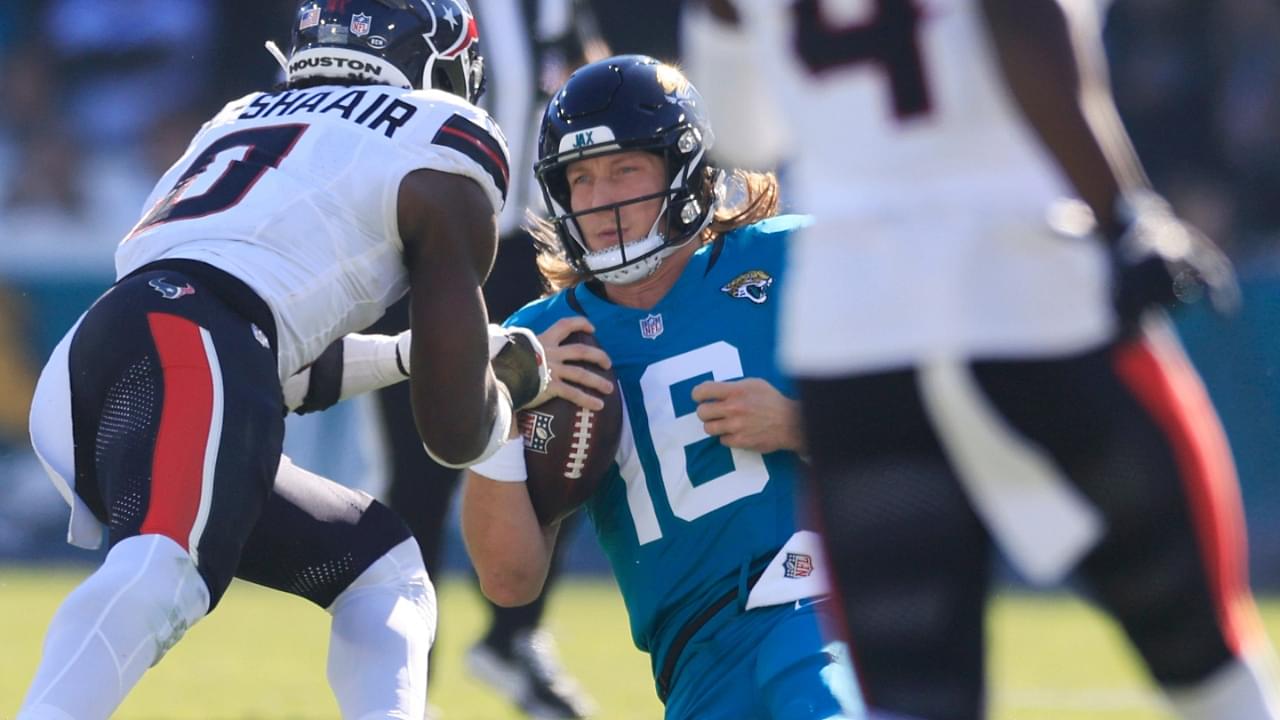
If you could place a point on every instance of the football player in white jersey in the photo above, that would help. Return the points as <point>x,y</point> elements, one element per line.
<point>526,44</point>
<point>295,216</point>
<point>981,359</point>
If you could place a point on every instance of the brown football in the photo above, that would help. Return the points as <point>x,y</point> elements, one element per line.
<point>568,449</point>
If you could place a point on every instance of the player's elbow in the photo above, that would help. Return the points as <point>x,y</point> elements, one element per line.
<point>510,567</point>
<point>511,586</point>
<point>452,455</point>
<point>460,444</point>
<point>458,449</point>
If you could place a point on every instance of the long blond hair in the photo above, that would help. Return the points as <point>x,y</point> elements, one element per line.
<point>753,197</point>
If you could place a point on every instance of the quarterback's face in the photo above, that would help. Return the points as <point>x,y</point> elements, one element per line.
<point>609,179</point>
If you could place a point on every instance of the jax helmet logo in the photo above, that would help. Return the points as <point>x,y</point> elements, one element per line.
<point>797,565</point>
<point>589,140</point>
<point>536,428</point>
<point>752,285</point>
<point>170,291</point>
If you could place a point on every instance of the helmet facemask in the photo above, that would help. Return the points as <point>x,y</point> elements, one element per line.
<point>689,201</point>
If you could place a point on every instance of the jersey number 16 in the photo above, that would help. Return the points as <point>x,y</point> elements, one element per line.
<point>672,434</point>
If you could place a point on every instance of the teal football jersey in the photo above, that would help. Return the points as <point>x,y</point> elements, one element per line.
<point>680,516</point>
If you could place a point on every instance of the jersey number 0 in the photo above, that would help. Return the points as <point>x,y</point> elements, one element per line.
<point>264,148</point>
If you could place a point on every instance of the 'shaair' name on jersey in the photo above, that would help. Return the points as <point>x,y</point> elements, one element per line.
<point>295,192</point>
<point>681,513</point>
<point>374,111</point>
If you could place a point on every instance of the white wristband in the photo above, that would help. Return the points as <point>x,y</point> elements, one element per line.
<point>506,465</point>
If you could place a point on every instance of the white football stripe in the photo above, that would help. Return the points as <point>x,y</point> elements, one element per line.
<point>211,446</point>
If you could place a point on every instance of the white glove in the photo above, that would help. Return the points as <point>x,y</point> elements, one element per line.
<point>520,364</point>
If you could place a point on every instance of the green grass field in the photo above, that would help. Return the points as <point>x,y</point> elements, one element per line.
<point>262,656</point>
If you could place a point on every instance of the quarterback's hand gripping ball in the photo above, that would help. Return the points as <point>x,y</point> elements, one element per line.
<point>568,449</point>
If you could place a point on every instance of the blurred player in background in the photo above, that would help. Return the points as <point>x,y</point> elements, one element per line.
<point>981,361</point>
<point>294,217</point>
<point>697,515</point>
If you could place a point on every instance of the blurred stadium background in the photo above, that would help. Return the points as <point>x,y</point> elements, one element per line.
<point>100,96</point>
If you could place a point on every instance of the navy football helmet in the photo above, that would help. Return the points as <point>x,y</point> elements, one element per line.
<point>410,43</point>
<point>621,104</point>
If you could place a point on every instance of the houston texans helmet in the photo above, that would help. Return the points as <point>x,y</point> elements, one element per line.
<point>621,104</point>
<point>409,43</point>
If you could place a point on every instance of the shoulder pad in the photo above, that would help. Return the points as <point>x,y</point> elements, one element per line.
<point>450,122</point>
<point>233,109</point>
<point>540,314</point>
<point>773,229</point>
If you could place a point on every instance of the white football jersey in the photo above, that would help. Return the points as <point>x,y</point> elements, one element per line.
<point>295,193</point>
<point>941,227</point>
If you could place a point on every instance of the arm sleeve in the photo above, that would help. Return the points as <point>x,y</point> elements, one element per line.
<point>354,365</point>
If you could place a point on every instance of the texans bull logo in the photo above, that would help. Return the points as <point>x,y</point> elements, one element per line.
<point>170,291</point>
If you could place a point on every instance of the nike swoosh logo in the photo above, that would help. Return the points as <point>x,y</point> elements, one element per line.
<point>806,602</point>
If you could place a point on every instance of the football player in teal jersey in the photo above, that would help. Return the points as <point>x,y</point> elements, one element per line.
<point>698,514</point>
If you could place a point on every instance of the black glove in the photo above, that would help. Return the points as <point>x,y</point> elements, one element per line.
<point>325,387</point>
<point>1162,261</point>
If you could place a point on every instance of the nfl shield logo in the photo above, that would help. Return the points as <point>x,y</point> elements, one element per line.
<point>797,565</point>
<point>360,24</point>
<point>536,428</point>
<point>651,326</point>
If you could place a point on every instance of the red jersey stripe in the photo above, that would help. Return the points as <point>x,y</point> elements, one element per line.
<point>1167,386</point>
<point>178,461</point>
<point>495,157</point>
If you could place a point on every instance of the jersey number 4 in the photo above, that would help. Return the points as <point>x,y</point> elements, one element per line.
<point>264,148</point>
<point>890,39</point>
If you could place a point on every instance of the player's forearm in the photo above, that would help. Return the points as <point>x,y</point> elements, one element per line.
<point>456,431</point>
<point>1054,67</point>
<point>510,551</point>
<point>793,429</point>
<point>458,407</point>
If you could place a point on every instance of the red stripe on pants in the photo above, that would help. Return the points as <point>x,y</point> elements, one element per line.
<point>177,465</point>
<point>1162,379</point>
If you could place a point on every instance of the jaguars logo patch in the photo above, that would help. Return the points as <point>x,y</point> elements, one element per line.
<point>536,428</point>
<point>752,285</point>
